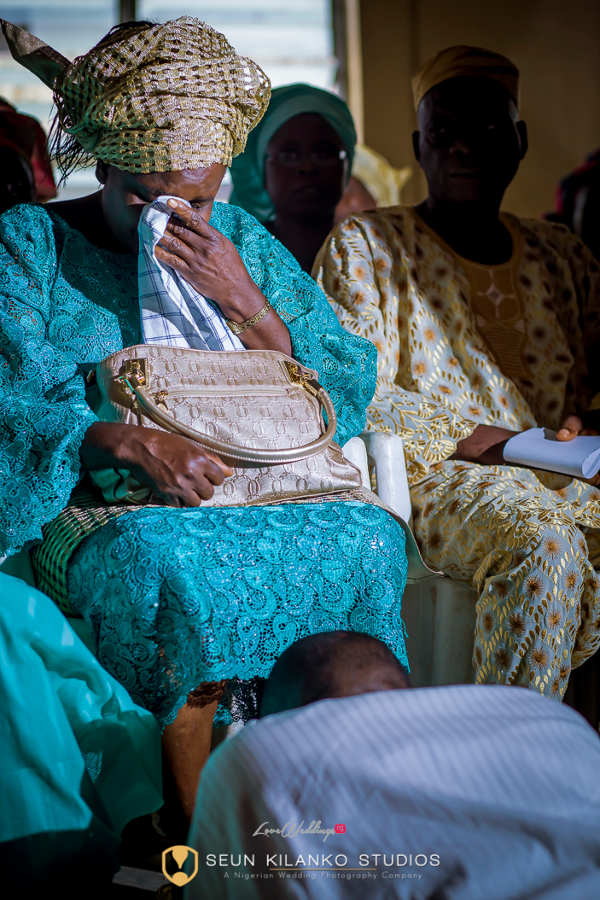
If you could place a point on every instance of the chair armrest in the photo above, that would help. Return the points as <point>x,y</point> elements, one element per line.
<point>386,451</point>
<point>356,452</point>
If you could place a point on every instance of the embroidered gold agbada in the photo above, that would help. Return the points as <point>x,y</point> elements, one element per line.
<point>459,345</point>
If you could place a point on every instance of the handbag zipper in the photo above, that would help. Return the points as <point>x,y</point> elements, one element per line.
<point>161,396</point>
<point>196,391</point>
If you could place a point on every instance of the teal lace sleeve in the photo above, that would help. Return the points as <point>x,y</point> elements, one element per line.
<point>43,413</point>
<point>346,363</point>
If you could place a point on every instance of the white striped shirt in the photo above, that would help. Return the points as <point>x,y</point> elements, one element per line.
<point>469,792</point>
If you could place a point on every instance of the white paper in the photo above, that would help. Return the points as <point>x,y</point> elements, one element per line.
<point>540,448</point>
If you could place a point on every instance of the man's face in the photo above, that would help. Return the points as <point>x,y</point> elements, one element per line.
<point>125,195</point>
<point>470,142</point>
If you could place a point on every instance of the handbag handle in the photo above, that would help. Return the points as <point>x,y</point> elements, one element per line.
<point>233,451</point>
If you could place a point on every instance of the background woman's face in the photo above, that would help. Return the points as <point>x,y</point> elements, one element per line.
<point>305,168</point>
<point>125,195</point>
<point>16,180</point>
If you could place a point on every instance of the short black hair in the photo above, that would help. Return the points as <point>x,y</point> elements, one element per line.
<point>309,669</point>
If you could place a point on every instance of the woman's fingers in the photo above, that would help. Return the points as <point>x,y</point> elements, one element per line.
<point>191,218</point>
<point>227,470</point>
<point>214,472</point>
<point>570,428</point>
<point>189,491</point>
<point>176,247</point>
<point>183,233</point>
<point>177,498</point>
<point>178,470</point>
<point>175,262</point>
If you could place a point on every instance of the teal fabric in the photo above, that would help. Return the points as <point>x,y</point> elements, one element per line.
<point>181,596</point>
<point>64,302</point>
<point>247,169</point>
<point>78,756</point>
<point>175,597</point>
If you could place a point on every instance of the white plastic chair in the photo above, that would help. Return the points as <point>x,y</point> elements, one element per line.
<point>439,614</point>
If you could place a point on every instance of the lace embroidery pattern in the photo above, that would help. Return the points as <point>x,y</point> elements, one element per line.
<point>391,281</point>
<point>178,597</point>
<point>65,302</point>
<point>516,536</point>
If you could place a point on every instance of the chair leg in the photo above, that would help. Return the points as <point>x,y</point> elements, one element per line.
<point>583,691</point>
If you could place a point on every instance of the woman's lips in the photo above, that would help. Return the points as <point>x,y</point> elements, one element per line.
<point>308,190</point>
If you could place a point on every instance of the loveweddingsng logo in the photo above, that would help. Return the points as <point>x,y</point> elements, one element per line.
<point>180,853</point>
<point>290,830</point>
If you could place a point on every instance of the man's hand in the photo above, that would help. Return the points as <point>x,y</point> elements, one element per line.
<point>573,426</point>
<point>177,470</point>
<point>484,446</point>
<point>576,426</point>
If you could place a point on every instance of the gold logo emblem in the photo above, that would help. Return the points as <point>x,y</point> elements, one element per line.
<point>179,853</point>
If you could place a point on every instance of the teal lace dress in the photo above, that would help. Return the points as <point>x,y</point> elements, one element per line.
<point>177,597</point>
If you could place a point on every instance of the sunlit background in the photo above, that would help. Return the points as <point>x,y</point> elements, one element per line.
<point>291,41</point>
<point>367,51</point>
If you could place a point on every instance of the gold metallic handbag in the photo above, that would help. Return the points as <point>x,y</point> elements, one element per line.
<point>259,410</point>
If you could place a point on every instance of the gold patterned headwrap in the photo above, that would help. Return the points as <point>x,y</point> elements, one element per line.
<point>461,61</point>
<point>381,179</point>
<point>152,98</point>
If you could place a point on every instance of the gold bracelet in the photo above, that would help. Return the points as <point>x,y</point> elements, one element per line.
<point>238,327</point>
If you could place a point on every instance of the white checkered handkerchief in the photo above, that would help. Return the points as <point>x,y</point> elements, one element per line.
<point>172,312</point>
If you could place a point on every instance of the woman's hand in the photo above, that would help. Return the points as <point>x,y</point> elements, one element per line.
<point>209,261</point>
<point>177,470</point>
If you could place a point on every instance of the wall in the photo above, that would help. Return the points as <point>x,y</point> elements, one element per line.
<point>555,44</point>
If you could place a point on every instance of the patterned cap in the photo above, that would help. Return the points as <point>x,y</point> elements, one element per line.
<point>153,98</point>
<point>462,61</point>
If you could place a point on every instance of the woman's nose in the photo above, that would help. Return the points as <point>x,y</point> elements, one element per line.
<point>308,165</point>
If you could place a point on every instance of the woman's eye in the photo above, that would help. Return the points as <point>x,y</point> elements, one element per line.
<point>326,155</point>
<point>287,156</point>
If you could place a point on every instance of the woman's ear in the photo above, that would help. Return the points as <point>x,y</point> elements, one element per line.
<point>101,171</point>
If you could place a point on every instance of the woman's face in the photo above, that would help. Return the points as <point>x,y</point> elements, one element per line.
<point>16,180</point>
<point>305,167</point>
<point>125,195</point>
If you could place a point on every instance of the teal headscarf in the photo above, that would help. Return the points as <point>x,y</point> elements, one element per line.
<point>247,169</point>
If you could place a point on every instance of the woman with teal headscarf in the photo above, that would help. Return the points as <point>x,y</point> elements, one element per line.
<point>295,167</point>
